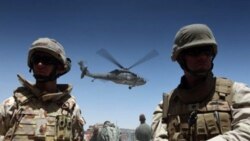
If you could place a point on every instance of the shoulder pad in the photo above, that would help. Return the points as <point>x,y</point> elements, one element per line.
<point>223,85</point>
<point>68,104</point>
<point>22,94</point>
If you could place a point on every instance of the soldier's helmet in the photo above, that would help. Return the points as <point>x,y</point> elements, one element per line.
<point>52,47</point>
<point>191,36</point>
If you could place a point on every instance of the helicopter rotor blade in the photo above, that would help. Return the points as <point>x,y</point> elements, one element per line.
<point>150,55</point>
<point>104,53</point>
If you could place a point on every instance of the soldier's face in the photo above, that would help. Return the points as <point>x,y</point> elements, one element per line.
<point>198,59</point>
<point>43,64</point>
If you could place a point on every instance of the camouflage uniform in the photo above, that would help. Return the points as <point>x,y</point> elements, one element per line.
<point>240,111</point>
<point>95,134</point>
<point>31,114</point>
<point>217,109</point>
<point>109,132</point>
<point>34,114</point>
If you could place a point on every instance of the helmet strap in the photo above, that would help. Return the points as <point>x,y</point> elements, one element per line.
<point>66,69</point>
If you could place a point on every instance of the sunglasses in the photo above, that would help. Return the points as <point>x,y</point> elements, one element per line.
<point>45,60</point>
<point>198,51</point>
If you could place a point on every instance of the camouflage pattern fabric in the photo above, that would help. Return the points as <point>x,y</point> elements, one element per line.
<point>109,133</point>
<point>240,110</point>
<point>29,116</point>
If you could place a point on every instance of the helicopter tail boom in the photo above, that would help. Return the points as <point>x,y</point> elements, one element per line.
<point>83,68</point>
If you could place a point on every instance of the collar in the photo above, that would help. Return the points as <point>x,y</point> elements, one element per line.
<point>198,93</point>
<point>63,90</point>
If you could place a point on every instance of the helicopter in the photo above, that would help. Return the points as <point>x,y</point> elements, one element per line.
<point>119,76</point>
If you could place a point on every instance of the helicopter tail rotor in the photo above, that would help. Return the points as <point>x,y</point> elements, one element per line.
<point>83,68</point>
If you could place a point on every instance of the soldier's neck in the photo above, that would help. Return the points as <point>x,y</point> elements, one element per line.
<point>192,80</point>
<point>50,86</point>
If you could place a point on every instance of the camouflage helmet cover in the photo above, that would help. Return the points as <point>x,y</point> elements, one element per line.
<point>194,35</point>
<point>52,47</point>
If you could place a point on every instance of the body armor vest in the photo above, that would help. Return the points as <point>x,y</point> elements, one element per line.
<point>34,119</point>
<point>199,121</point>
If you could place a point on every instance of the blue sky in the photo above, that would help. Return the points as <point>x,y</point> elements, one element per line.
<point>128,29</point>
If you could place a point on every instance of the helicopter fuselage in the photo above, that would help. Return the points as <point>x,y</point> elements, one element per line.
<point>120,77</point>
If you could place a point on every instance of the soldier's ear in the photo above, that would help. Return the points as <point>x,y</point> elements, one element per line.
<point>60,69</point>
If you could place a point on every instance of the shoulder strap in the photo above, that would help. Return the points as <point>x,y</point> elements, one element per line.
<point>167,98</point>
<point>222,96</point>
<point>223,89</point>
<point>22,95</point>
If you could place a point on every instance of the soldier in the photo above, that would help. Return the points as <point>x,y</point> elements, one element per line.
<point>143,131</point>
<point>109,132</point>
<point>202,107</point>
<point>44,110</point>
<point>95,134</point>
